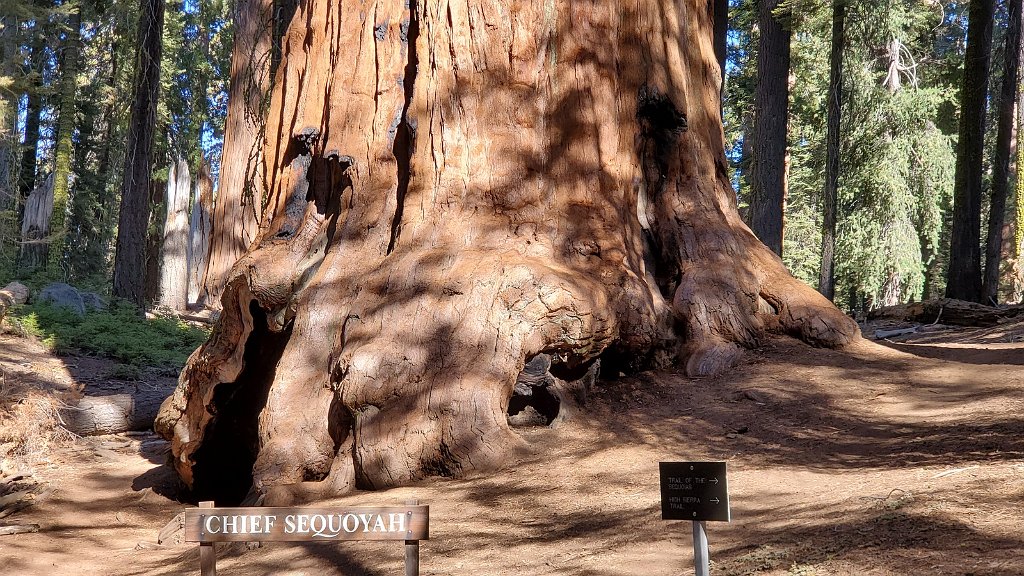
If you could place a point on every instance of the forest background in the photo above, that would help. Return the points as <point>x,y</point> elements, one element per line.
<point>873,105</point>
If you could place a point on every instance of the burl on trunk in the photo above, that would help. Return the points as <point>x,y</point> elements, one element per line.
<point>456,189</point>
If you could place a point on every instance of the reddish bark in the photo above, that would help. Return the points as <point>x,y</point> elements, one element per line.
<point>454,191</point>
<point>241,187</point>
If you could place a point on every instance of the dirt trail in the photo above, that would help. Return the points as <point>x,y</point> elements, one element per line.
<point>897,460</point>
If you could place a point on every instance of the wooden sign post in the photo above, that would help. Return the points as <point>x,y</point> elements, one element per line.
<point>207,525</point>
<point>699,492</point>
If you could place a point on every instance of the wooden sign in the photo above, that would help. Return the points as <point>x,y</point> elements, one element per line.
<point>306,524</point>
<point>695,491</point>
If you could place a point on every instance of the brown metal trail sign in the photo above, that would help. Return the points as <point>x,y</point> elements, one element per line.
<point>696,491</point>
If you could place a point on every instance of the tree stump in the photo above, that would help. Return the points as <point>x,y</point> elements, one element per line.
<point>14,294</point>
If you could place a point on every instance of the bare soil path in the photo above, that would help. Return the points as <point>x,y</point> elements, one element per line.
<point>900,459</point>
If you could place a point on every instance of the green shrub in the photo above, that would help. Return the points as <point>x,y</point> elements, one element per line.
<point>118,333</point>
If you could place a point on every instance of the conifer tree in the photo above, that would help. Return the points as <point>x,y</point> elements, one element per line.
<point>827,278</point>
<point>130,255</point>
<point>771,113</point>
<point>1004,142</point>
<point>69,58</point>
<point>964,274</point>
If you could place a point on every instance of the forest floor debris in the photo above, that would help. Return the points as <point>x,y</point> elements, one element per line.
<point>903,458</point>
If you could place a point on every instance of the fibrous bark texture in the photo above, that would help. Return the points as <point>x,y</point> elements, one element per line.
<point>35,225</point>
<point>174,264</point>
<point>133,217</point>
<point>199,231</point>
<point>456,189</point>
<point>1004,144</point>
<point>963,276</point>
<point>241,179</point>
<point>771,122</point>
<point>258,29</point>
<point>826,273</point>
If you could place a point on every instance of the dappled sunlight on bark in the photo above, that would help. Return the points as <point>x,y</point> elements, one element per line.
<point>456,189</point>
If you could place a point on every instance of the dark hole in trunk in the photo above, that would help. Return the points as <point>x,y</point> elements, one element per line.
<point>223,464</point>
<point>532,405</point>
<point>616,363</point>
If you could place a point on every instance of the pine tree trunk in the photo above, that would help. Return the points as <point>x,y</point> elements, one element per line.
<point>1017,292</point>
<point>1001,160</point>
<point>241,186</point>
<point>8,146</point>
<point>199,230</point>
<point>771,111</point>
<point>174,264</point>
<point>963,277</point>
<point>33,113</point>
<point>130,254</point>
<point>154,240</point>
<point>457,190</point>
<point>827,274</point>
<point>65,129</point>
<point>8,116</point>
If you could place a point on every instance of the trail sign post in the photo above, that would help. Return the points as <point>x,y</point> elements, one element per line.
<point>699,492</point>
<point>208,524</point>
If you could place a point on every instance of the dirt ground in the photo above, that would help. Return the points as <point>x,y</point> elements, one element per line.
<point>886,459</point>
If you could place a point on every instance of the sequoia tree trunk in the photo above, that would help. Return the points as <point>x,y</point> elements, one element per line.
<point>258,28</point>
<point>457,189</point>
<point>240,192</point>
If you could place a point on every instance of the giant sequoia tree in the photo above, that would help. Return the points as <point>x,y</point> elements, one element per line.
<point>240,192</point>
<point>455,190</point>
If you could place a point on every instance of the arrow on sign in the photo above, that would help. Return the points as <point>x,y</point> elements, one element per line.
<point>715,500</point>
<point>713,480</point>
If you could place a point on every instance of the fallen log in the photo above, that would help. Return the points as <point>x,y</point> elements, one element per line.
<point>114,413</point>
<point>883,334</point>
<point>948,311</point>
<point>26,502</point>
<point>19,529</point>
<point>14,497</point>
